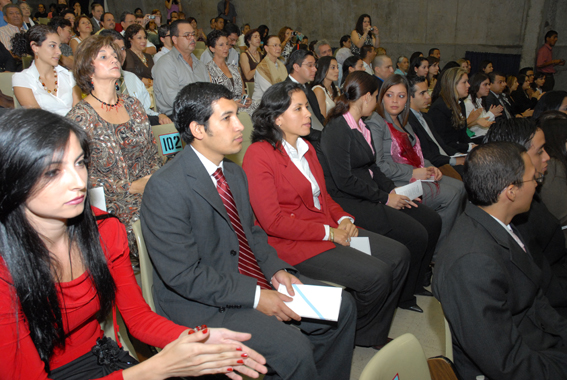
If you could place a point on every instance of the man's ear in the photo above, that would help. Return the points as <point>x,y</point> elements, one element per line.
<point>510,192</point>
<point>197,130</point>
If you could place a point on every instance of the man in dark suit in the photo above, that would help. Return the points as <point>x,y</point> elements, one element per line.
<point>540,229</point>
<point>212,264</point>
<point>433,148</point>
<point>97,11</point>
<point>496,97</point>
<point>489,286</point>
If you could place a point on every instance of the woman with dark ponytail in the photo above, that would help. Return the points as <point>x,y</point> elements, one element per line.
<point>44,84</point>
<point>355,182</point>
<point>58,274</point>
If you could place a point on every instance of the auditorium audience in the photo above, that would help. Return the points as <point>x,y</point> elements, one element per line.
<point>399,156</point>
<point>61,272</point>
<point>241,44</point>
<point>502,325</point>
<point>270,70</point>
<point>402,65</point>
<point>177,68</point>
<point>344,52</point>
<point>367,54</point>
<point>364,34</point>
<point>553,100</point>
<point>351,64</point>
<point>201,36</point>
<point>496,96</point>
<point>435,52</point>
<point>231,31</point>
<point>448,112</point>
<point>97,11</point>
<point>486,67</point>
<point>41,13</point>
<point>108,22</point>
<point>13,16</point>
<point>252,57</point>
<point>323,85</point>
<point>286,35</point>
<point>479,119</point>
<point>414,55</point>
<point>164,34</point>
<point>44,84</point>
<point>26,14</point>
<point>117,124</point>
<point>539,83</point>
<point>524,101</point>
<point>223,73</point>
<point>68,14</point>
<point>383,68</point>
<point>464,63</point>
<point>131,85</point>
<point>137,61</point>
<point>226,10</point>
<point>355,182</point>
<point>173,6</point>
<point>65,31</point>
<point>419,67</point>
<point>432,73</point>
<point>83,29</point>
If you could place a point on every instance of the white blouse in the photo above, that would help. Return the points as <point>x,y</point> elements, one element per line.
<point>60,104</point>
<point>469,106</point>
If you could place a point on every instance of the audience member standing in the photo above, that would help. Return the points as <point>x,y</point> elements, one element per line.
<point>545,62</point>
<point>173,6</point>
<point>226,10</point>
<point>364,34</point>
<point>177,68</point>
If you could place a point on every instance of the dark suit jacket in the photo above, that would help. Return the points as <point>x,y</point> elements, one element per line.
<point>491,100</point>
<point>490,289</point>
<point>347,160</point>
<point>522,102</point>
<point>192,243</point>
<point>441,118</point>
<point>428,147</point>
<point>282,200</point>
<point>96,27</point>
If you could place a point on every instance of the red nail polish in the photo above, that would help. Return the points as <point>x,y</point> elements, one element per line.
<point>191,332</point>
<point>229,369</point>
<point>203,327</point>
<point>244,355</point>
<point>240,361</point>
<point>205,330</point>
<point>238,348</point>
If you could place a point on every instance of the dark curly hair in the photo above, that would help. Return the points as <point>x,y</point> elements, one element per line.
<point>131,31</point>
<point>275,101</point>
<point>214,36</point>
<point>21,42</point>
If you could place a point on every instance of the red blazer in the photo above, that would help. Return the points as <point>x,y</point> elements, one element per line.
<point>282,200</point>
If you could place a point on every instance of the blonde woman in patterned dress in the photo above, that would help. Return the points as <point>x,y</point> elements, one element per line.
<point>124,153</point>
<point>222,73</point>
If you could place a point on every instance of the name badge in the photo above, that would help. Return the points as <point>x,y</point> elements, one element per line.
<point>170,143</point>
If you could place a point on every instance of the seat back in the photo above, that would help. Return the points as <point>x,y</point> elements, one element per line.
<point>246,141</point>
<point>43,20</point>
<point>146,267</point>
<point>6,84</point>
<point>168,140</point>
<point>250,89</point>
<point>198,53</point>
<point>402,358</point>
<point>200,45</point>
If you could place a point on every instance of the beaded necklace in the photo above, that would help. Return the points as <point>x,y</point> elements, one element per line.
<point>109,107</point>
<point>45,87</point>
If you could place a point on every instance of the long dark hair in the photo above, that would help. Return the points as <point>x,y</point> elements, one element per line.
<point>323,65</point>
<point>360,21</point>
<point>21,42</point>
<point>394,80</point>
<point>349,62</point>
<point>29,139</point>
<point>275,101</point>
<point>555,131</point>
<point>357,84</point>
<point>551,100</point>
<point>475,82</point>
<point>415,64</point>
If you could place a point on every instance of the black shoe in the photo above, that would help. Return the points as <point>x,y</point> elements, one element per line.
<point>424,292</point>
<point>415,308</point>
<point>427,277</point>
<point>379,347</point>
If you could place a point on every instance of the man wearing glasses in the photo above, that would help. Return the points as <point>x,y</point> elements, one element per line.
<point>178,68</point>
<point>487,278</point>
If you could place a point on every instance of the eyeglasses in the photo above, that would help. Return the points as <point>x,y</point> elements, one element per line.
<point>539,177</point>
<point>189,36</point>
<point>274,45</point>
<point>168,35</point>
<point>309,65</point>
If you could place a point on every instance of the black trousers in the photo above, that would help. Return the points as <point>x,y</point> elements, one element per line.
<point>375,282</point>
<point>417,228</point>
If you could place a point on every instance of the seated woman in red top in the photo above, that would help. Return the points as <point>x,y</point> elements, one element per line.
<point>307,228</point>
<point>56,278</point>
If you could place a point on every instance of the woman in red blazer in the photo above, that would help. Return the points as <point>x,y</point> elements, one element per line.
<point>306,227</point>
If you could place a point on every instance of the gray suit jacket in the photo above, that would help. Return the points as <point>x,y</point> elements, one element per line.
<point>192,243</point>
<point>490,289</point>
<point>96,26</point>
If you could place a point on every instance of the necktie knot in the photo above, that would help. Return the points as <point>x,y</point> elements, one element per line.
<point>218,175</point>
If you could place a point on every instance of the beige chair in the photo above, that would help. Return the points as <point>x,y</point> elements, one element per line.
<point>402,357</point>
<point>250,89</point>
<point>200,45</point>
<point>146,267</point>
<point>26,61</point>
<point>168,140</point>
<point>6,84</point>
<point>43,20</point>
<point>448,341</point>
<point>246,141</point>
<point>198,53</point>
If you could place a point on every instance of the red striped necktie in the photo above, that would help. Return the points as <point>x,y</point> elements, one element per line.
<point>247,263</point>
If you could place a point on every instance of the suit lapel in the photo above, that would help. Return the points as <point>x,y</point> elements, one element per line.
<point>201,182</point>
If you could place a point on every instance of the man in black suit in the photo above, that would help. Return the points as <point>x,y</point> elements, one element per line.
<point>496,97</point>
<point>433,147</point>
<point>204,246</point>
<point>96,10</point>
<point>540,229</point>
<point>489,286</point>
<point>383,68</point>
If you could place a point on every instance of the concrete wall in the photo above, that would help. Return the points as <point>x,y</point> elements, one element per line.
<point>455,26</point>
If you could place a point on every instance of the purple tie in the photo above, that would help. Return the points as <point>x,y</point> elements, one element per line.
<point>247,263</point>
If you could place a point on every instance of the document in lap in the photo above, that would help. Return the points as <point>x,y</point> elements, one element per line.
<point>314,301</point>
<point>412,190</point>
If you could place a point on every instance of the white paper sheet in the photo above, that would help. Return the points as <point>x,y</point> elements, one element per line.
<point>459,155</point>
<point>314,301</point>
<point>96,197</point>
<point>362,243</point>
<point>412,190</point>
